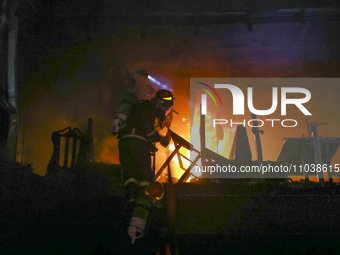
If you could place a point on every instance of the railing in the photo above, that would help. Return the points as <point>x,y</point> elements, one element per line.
<point>71,147</point>
<point>180,142</point>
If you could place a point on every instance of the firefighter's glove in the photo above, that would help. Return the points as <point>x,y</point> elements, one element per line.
<point>165,140</point>
<point>168,119</point>
<point>119,124</point>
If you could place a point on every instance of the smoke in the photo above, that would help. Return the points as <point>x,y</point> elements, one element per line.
<point>68,86</point>
<point>90,87</point>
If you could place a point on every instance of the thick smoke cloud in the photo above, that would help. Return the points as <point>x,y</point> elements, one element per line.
<point>70,83</point>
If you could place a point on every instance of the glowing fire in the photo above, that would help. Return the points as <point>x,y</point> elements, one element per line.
<point>222,147</point>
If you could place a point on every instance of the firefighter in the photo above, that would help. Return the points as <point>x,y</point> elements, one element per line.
<point>138,87</point>
<point>137,135</point>
<point>137,139</point>
<point>137,122</point>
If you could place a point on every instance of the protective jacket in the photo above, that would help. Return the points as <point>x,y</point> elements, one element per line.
<point>141,123</point>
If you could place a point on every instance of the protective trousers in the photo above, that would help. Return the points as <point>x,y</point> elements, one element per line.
<point>135,159</point>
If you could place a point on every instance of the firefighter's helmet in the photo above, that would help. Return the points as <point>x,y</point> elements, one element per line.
<point>155,190</point>
<point>165,99</point>
<point>165,95</point>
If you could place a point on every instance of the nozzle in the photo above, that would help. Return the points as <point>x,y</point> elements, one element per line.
<point>115,132</point>
<point>173,110</point>
<point>136,228</point>
<point>134,233</point>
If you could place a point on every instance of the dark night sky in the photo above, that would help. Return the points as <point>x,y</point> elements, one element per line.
<point>64,78</point>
